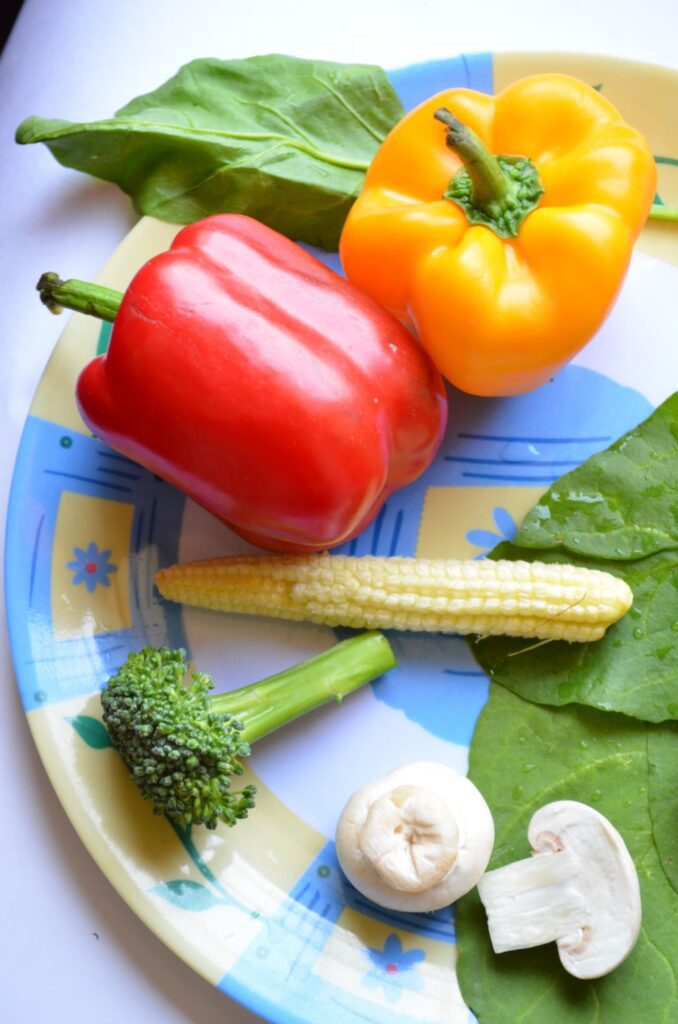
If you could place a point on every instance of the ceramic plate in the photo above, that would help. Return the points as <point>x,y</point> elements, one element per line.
<point>263,911</point>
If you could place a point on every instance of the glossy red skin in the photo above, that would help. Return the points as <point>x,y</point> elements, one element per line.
<point>265,386</point>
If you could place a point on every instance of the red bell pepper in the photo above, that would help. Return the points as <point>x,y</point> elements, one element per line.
<point>261,383</point>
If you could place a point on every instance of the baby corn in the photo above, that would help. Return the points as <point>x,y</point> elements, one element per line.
<point>525,599</point>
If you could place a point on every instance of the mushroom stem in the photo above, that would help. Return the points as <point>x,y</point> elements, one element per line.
<point>533,901</point>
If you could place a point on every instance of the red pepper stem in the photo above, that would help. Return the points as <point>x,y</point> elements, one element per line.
<point>490,184</point>
<point>83,296</point>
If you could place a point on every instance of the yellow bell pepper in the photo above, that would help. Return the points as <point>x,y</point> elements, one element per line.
<point>504,265</point>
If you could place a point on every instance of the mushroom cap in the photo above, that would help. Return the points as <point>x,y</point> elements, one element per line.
<point>608,883</point>
<point>457,830</point>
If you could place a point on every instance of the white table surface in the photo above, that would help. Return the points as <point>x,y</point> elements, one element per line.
<point>70,949</point>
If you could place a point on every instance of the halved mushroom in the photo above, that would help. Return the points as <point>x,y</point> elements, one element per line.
<point>579,889</point>
<point>416,839</point>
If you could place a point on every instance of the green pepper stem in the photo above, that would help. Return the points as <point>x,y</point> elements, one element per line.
<point>265,706</point>
<point>658,211</point>
<point>83,296</point>
<point>490,184</point>
<point>497,192</point>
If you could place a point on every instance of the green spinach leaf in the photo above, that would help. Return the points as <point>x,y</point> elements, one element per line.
<point>279,138</point>
<point>664,799</point>
<point>523,756</point>
<point>618,512</point>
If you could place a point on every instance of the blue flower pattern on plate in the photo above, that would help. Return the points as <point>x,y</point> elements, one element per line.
<point>392,969</point>
<point>506,530</point>
<point>91,567</point>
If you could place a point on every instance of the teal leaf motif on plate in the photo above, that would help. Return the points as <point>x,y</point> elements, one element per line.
<point>187,895</point>
<point>669,161</point>
<point>91,730</point>
<point>104,338</point>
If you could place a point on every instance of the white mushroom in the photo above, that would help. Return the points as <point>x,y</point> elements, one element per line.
<point>579,889</point>
<point>416,839</point>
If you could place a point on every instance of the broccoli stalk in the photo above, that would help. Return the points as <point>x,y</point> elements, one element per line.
<point>182,745</point>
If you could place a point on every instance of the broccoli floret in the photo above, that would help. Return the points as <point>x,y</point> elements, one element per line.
<point>180,750</point>
<point>182,745</point>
